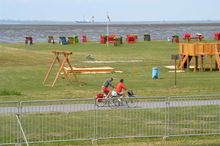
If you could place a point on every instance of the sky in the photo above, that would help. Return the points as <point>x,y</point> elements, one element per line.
<point>118,10</point>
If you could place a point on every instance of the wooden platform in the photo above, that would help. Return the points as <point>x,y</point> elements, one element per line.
<point>196,51</point>
<point>90,69</point>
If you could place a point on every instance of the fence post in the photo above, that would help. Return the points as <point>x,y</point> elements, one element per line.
<point>94,140</point>
<point>218,119</point>
<point>18,127</point>
<point>167,119</point>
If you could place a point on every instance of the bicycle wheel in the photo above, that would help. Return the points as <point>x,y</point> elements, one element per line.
<point>116,101</point>
<point>111,102</point>
<point>100,102</point>
<point>124,101</point>
<point>131,102</point>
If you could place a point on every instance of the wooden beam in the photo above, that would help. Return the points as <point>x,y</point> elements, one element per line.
<point>183,62</point>
<point>195,64</point>
<point>50,68</point>
<point>210,62</point>
<point>58,73</point>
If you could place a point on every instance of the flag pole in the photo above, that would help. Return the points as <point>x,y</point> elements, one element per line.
<point>107,28</point>
<point>107,33</point>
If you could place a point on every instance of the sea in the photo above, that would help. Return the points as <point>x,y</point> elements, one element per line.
<point>163,30</point>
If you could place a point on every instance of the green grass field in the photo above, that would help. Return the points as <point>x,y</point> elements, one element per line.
<point>22,70</point>
<point>114,123</point>
<point>148,122</point>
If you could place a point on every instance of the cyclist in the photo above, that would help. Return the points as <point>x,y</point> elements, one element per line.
<point>120,88</point>
<point>105,87</point>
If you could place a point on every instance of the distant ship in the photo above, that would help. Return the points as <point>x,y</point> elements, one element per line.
<point>83,21</point>
<point>86,21</point>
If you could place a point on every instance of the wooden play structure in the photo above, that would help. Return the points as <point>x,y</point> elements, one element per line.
<point>199,50</point>
<point>69,69</point>
<point>62,64</point>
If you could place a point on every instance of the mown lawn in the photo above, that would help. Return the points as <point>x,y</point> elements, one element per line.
<point>22,70</point>
<point>111,123</point>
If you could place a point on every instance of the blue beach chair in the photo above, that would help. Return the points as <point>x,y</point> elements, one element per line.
<point>63,41</point>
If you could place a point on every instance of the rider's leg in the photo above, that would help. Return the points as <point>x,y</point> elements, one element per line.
<point>109,94</point>
<point>122,92</point>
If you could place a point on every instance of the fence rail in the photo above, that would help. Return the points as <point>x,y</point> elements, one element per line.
<point>74,120</point>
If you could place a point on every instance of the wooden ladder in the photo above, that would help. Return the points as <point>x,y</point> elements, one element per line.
<point>183,61</point>
<point>217,55</point>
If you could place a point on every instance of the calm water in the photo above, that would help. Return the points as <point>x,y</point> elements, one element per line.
<point>16,33</point>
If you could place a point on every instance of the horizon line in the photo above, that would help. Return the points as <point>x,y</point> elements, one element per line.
<point>105,21</point>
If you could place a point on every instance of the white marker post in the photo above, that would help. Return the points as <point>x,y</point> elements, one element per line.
<point>109,20</point>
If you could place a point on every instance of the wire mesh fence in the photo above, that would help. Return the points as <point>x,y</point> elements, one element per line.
<point>9,131</point>
<point>73,120</point>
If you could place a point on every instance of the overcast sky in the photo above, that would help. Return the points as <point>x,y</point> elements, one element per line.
<point>119,10</point>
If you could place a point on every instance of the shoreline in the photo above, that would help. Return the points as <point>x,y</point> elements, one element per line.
<point>119,25</point>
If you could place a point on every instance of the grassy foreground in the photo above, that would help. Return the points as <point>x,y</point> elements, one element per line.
<point>172,141</point>
<point>22,70</point>
<point>117,123</point>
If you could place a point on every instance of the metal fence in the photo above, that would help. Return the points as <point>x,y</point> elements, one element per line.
<point>74,120</point>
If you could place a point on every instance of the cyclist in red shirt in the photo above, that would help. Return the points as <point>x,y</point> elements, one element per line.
<point>120,88</point>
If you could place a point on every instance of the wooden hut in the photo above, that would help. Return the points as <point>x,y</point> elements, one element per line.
<point>196,51</point>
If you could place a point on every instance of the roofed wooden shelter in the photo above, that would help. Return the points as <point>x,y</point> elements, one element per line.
<point>188,51</point>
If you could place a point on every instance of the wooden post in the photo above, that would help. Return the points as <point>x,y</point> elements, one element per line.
<point>210,57</point>
<point>72,69</point>
<point>187,62</point>
<point>51,66</point>
<point>196,60</point>
<point>195,64</point>
<point>202,63</point>
<point>58,73</point>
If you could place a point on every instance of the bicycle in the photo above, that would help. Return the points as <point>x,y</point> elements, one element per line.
<point>128,100</point>
<point>102,100</point>
<point>116,100</point>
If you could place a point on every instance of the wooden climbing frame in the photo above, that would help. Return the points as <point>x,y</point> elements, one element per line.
<point>62,64</point>
<point>199,50</point>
